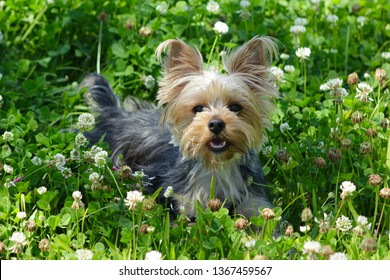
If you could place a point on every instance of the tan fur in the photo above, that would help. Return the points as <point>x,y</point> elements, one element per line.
<point>185,84</point>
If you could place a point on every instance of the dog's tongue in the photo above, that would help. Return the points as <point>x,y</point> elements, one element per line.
<point>217,144</point>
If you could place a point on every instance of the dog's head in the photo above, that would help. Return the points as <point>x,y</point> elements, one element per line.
<point>217,117</point>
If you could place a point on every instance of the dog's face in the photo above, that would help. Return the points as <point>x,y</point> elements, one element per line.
<point>215,117</point>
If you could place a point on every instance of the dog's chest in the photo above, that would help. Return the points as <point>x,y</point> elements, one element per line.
<point>229,186</point>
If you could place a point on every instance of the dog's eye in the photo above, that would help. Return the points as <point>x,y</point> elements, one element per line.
<point>197,109</point>
<point>236,108</point>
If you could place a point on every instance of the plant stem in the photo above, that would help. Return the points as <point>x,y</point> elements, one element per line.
<point>380,219</point>
<point>116,183</point>
<point>99,50</point>
<point>346,52</point>
<point>212,49</point>
<point>352,209</point>
<point>305,79</point>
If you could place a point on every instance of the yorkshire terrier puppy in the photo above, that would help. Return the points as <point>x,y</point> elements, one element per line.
<point>206,125</point>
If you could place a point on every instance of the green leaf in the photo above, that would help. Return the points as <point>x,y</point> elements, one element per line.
<point>44,62</point>
<point>60,51</point>
<point>119,50</point>
<point>65,220</point>
<point>23,65</point>
<point>53,222</point>
<point>32,124</point>
<point>42,139</point>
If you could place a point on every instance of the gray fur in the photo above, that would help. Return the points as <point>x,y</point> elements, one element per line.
<point>136,134</point>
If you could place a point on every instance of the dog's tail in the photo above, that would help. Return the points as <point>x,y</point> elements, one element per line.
<point>99,95</point>
<point>102,99</point>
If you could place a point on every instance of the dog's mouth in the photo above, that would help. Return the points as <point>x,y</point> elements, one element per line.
<point>218,145</point>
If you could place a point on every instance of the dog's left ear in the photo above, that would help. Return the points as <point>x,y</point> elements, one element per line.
<point>180,64</point>
<point>253,58</point>
<point>180,58</point>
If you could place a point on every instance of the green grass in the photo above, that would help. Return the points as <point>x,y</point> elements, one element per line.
<point>321,137</point>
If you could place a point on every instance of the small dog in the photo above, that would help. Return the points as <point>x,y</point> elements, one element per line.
<point>208,126</point>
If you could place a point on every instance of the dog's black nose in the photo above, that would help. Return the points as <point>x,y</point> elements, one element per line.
<point>216,125</point>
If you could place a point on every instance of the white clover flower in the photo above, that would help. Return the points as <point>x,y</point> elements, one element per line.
<point>385,55</point>
<point>8,169</point>
<point>311,247</point>
<point>300,21</point>
<point>145,31</point>
<point>77,203</point>
<point>19,239</point>
<point>361,20</point>
<point>250,243</point>
<point>343,224</point>
<point>74,154</point>
<point>267,151</point>
<point>332,84</point>
<point>362,226</point>
<point>8,136</point>
<point>277,73</point>
<point>289,68</point>
<point>149,81</point>
<point>304,228</point>
<point>212,7</point>
<point>94,177</point>
<point>153,256</point>
<point>297,29</point>
<point>363,91</point>
<point>8,183</point>
<point>284,127</point>
<point>221,27</point>
<point>84,254</point>
<point>340,92</point>
<point>85,121</point>
<point>362,220</point>
<point>168,192</point>
<point>245,4</point>
<point>338,257</point>
<point>36,160</point>
<point>133,198</point>
<point>66,172</point>
<point>347,188</point>
<point>284,56</point>
<point>332,19</point>
<point>150,229</point>
<point>244,14</point>
<point>80,140</point>
<point>21,215</point>
<point>90,155</point>
<point>324,87</point>
<point>41,190</point>
<point>77,195</point>
<point>303,53</point>
<point>100,158</point>
<point>59,161</point>
<point>139,174</point>
<point>162,8</point>
<point>366,75</point>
